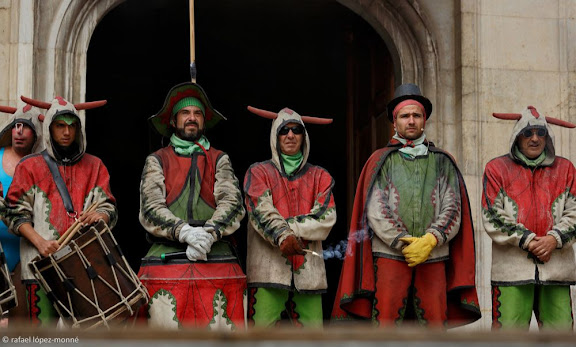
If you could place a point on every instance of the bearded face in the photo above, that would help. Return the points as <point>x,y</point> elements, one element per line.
<point>190,123</point>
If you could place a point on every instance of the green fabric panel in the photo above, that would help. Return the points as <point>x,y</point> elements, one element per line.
<point>271,302</point>
<point>416,182</point>
<point>516,306</point>
<point>180,206</point>
<point>553,311</point>
<point>555,307</point>
<point>201,210</point>
<point>309,307</point>
<point>47,314</point>
<point>269,306</point>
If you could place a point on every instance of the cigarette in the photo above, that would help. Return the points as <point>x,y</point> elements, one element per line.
<point>313,253</point>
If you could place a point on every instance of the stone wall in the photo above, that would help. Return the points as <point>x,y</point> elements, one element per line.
<point>471,58</point>
<point>515,53</point>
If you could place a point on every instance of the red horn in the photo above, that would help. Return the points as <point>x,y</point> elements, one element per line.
<point>8,109</point>
<point>305,119</point>
<point>507,116</point>
<point>316,120</point>
<point>34,102</point>
<point>560,122</point>
<point>90,105</point>
<point>263,113</point>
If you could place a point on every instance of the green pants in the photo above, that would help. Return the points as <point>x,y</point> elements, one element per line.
<point>269,306</point>
<point>512,306</point>
<point>41,312</point>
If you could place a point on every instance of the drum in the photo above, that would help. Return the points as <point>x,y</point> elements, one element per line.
<point>7,290</point>
<point>203,295</point>
<point>89,281</point>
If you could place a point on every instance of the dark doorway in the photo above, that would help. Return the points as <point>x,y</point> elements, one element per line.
<point>270,55</point>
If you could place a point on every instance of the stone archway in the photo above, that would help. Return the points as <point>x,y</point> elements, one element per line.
<point>63,33</point>
<point>410,38</point>
<point>64,29</point>
<point>61,39</point>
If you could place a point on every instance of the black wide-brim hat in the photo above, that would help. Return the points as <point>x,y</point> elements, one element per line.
<point>161,120</point>
<point>408,91</point>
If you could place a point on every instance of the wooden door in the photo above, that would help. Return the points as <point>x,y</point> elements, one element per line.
<point>370,85</point>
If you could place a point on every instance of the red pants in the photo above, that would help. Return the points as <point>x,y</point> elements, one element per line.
<point>405,293</point>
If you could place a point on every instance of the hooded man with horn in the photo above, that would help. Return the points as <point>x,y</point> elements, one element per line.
<point>291,211</point>
<point>410,253</point>
<point>529,212</point>
<point>37,209</point>
<point>20,135</point>
<point>190,205</point>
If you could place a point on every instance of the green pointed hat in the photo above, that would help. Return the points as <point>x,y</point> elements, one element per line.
<point>161,120</point>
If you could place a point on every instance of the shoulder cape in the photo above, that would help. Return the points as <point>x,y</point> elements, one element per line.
<point>356,288</point>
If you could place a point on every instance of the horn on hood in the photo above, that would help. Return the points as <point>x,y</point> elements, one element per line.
<point>90,105</point>
<point>273,115</point>
<point>8,109</point>
<point>560,122</point>
<point>549,120</point>
<point>507,116</point>
<point>37,103</point>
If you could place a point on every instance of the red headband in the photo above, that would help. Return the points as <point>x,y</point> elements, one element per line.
<point>407,103</point>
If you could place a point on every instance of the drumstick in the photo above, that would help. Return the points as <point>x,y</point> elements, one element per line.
<point>75,224</point>
<point>67,236</point>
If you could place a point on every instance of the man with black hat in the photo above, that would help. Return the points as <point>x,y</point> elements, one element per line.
<point>410,249</point>
<point>529,212</point>
<point>190,203</point>
<point>20,136</point>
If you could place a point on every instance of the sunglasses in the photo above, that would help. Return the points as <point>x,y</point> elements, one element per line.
<point>530,132</point>
<point>296,130</point>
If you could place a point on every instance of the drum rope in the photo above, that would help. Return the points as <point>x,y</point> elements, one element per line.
<point>127,271</point>
<point>112,267</point>
<point>86,263</point>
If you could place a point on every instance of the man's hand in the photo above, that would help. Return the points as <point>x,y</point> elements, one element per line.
<point>291,246</point>
<point>199,242</point>
<point>194,254</point>
<point>418,249</point>
<point>46,247</point>
<point>93,217</point>
<point>542,247</point>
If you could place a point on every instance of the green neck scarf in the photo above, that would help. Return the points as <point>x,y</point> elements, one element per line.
<point>291,162</point>
<point>527,161</point>
<point>184,147</point>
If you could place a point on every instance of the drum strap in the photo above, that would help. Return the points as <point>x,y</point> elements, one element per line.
<point>59,182</point>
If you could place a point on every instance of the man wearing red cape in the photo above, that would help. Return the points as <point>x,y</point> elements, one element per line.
<point>410,253</point>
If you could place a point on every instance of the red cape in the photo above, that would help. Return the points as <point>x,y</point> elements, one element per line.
<point>355,295</point>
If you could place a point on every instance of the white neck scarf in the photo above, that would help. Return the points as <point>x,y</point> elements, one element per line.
<point>413,148</point>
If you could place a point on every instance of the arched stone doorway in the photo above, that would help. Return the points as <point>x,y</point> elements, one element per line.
<point>320,59</point>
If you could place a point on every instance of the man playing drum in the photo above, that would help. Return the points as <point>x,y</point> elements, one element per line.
<point>190,201</point>
<point>36,208</point>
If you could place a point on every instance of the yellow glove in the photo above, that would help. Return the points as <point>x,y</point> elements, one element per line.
<point>418,248</point>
